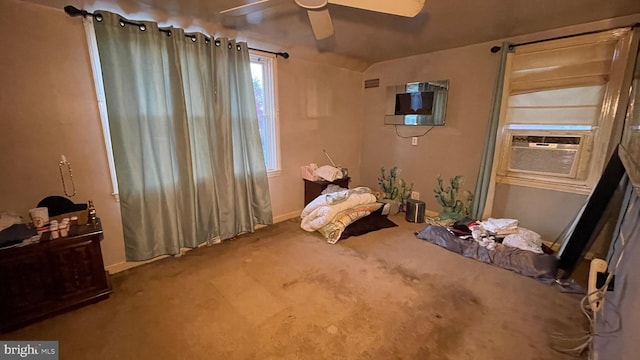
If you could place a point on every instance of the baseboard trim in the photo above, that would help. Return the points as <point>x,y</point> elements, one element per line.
<point>126,265</point>
<point>287,216</point>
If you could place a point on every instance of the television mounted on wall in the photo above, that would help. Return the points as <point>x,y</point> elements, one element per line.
<point>417,103</point>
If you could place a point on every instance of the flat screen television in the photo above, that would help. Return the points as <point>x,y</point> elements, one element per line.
<point>414,103</point>
<point>417,103</point>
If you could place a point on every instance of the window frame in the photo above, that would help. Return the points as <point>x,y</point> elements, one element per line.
<point>269,64</point>
<point>96,67</point>
<point>599,135</point>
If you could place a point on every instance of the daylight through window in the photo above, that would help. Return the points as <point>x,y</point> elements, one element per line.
<point>262,71</point>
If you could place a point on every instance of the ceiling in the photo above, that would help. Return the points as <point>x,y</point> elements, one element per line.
<point>371,37</point>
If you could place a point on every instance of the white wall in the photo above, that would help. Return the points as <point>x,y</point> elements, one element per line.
<point>453,149</point>
<point>320,108</point>
<point>48,106</point>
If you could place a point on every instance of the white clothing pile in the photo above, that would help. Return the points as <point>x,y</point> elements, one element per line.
<point>486,231</point>
<point>500,226</point>
<point>525,239</point>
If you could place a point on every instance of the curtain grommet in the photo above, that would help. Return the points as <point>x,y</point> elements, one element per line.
<point>142,27</point>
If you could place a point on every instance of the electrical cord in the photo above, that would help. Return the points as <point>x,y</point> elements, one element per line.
<point>408,137</point>
<point>586,340</point>
<point>583,339</point>
<point>627,201</point>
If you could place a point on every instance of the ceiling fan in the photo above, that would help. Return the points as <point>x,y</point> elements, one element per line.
<point>319,14</point>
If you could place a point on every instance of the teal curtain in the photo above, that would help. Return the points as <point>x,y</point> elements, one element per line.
<point>185,137</point>
<point>484,173</point>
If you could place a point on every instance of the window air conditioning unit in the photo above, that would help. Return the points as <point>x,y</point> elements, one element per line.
<point>546,155</point>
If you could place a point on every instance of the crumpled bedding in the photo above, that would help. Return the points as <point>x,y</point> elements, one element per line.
<point>331,213</point>
<point>334,229</point>
<point>325,208</point>
<point>542,267</point>
<point>524,239</point>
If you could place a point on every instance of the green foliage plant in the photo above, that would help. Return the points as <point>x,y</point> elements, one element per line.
<point>392,187</point>
<point>388,183</point>
<point>452,207</point>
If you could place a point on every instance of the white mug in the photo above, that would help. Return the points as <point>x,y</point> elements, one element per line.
<point>39,216</point>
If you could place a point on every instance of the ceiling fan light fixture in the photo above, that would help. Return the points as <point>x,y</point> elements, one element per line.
<point>312,4</point>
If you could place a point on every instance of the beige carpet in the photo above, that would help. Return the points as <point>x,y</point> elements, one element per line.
<point>282,293</point>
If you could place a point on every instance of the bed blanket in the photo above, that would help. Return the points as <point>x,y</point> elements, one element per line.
<point>334,229</point>
<point>334,198</point>
<point>324,209</point>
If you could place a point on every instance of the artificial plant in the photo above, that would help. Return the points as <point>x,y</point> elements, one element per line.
<point>392,187</point>
<point>405,191</point>
<point>388,183</point>
<point>452,207</point>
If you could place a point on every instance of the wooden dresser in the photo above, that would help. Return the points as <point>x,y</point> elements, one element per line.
<point>52,276</point>
<point>313,189</point>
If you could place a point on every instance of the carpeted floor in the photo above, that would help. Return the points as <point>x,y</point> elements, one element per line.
<point>282,293</point>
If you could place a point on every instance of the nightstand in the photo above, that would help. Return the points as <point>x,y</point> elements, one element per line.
<point>312,189</point>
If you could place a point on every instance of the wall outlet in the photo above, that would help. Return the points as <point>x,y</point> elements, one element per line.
<point>414,141</point>
<point>415,195</point>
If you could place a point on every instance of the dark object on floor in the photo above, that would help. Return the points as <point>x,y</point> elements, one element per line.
<point>463,226</point>
<point>601,278</point>
<point>58,205</point>
<point>372,222</point>
<point>542,267</point>
<point>415,211</point>
<point>15,234</point>
<point>546,249</point>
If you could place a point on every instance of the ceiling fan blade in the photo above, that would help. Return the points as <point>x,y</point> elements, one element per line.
<point>408,8</point>
<point>320,23</point>
<point>246,8</point>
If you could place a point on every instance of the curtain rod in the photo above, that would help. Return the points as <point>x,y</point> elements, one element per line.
<point>74,11</point>
<point>497,48</point>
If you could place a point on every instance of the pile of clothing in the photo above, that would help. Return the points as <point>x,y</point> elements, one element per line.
<point>13,232</point>
<point>312,172</point>
<point>492,231</point>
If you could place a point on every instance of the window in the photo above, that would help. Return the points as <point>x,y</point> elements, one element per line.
<point>558,111</point>
<point>263,71</point>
